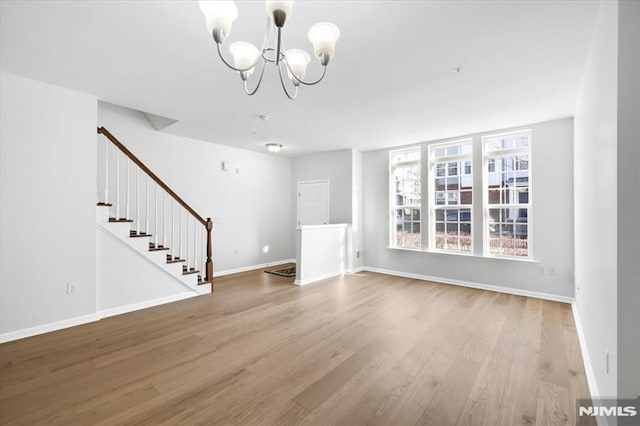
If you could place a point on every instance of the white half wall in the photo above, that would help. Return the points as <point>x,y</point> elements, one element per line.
<point>250,202</point>
<point>321,252</point>
<point>595,163</point>
<point>552,219</point>
<point>47,201</point>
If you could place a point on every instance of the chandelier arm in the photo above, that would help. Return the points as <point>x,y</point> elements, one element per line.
<point>253,92</point>
<point>284,87</point>
<point>231,66</point>
<point>307,83</point>
<point>278,47</point>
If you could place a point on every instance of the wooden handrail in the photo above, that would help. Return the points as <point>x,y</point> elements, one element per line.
<point>136,160</point>
<point>208,223</point>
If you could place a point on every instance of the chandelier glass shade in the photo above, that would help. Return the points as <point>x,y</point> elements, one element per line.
<point>291,64</point>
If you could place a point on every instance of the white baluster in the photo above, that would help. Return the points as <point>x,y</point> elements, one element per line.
<point>146,204</point>
<point>155,214</point>
<point>173,233</point>
<point>203,253</point>
<point>180,232</point>
<point>106,171</point>
<point>117,185</point>
<point>195,245</point>
<point>137,201</point>
<point>164,219</point>
<point>187,243</point>
<point>128,211</point>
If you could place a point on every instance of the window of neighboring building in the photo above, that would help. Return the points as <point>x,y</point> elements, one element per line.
<point>507,160</point>
<point>451,196</point>
<point>406,193</point>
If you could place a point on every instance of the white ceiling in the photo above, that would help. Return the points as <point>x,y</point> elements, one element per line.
<point>392,81</point>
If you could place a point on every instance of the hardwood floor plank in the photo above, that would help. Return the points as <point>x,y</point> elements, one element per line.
<point>487,393</point>
<point>553,360</point>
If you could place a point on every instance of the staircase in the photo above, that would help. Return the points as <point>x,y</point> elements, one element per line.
<point>139,209</point>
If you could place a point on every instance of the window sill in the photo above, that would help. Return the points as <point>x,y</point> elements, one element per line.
<point>471,255</point>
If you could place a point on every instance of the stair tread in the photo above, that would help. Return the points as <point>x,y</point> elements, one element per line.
<point>104,204</point>
<point>205,282</point>
<point>158,248</point>
<point>189,272</point>
<point>132,235</point>
<point>113,219</point>
<point>175,260</point>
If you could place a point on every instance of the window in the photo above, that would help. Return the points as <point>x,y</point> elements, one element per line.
<point>406,193</point>
<point>451,196</point>
<point>507,160</point>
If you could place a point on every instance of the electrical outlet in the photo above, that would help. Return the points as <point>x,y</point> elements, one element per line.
<point>72,289</point>
<point>358,254</point>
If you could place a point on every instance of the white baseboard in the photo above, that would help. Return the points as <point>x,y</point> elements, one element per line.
<point>84,319</point>
<point>105,313</point>
<point>46,328</point>
<point>508,290</point>
<point>317,278</point>
<point>251,268</point>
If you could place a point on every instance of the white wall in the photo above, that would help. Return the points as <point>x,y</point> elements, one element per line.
<point>47,200</point>
<point>552,218</point>
<point>251,208</point>
<point>628,199</point>
<point>356,255</point>
<point>595,192</point>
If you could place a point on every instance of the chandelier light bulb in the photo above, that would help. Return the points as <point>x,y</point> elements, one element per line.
<point>219,15</point>
<point>244,54</point>
<point>284,6</point>
<point>323,36</point>
<point>297,59</point>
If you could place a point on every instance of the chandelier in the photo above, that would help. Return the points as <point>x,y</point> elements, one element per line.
<point>221,14</point>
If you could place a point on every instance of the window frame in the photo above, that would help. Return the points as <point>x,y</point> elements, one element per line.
<point>432,206</point>
<point>508,152</point>
<point>392,197</point>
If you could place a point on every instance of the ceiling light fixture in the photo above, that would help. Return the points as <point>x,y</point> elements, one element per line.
<point>221,14</point>
<point>273,147</point>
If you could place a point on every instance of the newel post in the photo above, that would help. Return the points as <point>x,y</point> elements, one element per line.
<point>209,264</point>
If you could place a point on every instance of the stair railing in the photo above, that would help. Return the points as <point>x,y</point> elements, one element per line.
<point>159,212</point>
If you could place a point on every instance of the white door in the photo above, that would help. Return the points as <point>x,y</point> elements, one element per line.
<point>313,202</point>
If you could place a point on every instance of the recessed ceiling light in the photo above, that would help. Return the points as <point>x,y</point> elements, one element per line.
<point>273,147</point>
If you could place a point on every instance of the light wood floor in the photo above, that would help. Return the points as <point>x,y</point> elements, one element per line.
<point>361,349</point>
